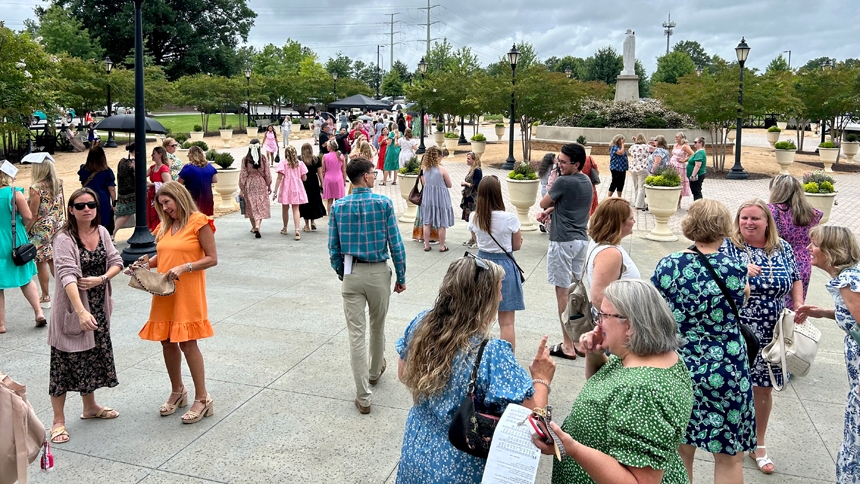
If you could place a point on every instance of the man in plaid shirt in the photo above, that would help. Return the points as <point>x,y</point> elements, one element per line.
<point>362,231</point>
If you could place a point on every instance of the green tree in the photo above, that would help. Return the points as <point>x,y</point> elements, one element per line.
<point>62,32</point>
<point>402,70</point>
<point>644,82</point>
<point>200,91</point>
<point>340,64</point>
<point>183,36</point>
<point>778,64</point>
<point>605,65</point>
<point>672,66</point>
<point>576,65</point>
<point>695,51</point>
<point>815,64</point>
<point>440,56</point>
<point>832,96</point>
<point>392,85</point>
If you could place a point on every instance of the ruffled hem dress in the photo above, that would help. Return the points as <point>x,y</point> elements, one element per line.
<point>182,316</point>
<point>292,190</point>
<point>436,208</point>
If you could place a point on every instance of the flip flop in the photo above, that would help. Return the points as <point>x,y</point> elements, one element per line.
<point>105,413</point>
<point>446,249</point>
<point>559,353</point>
<point>426,249</point>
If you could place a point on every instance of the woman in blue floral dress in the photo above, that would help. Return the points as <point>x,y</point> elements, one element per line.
<point>835,250</point>
<point>773,274</point>
<point>723,418</point>
<point>436,369</point>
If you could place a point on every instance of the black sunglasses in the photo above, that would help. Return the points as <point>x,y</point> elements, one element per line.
<point>81,205</point>
<point>480,264</point>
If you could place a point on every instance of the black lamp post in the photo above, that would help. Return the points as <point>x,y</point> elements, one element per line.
<point>108,66</point>
<point>738,173</point>
<point>141,242</point>
<point>513,58</point>
<point>248,92</point>
<point>422,68</point>
<point>824,67</point>
<point>334,76</point>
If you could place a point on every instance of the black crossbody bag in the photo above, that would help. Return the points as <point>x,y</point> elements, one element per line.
<point>511,257</point>
<point>24,253</point>
<point>753,345</point>
<point>470,431</point>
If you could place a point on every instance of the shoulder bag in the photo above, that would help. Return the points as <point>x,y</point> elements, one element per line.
<point>22,435</point>
<point>511,257</point>
<point>24,253</point>
<point>577,318</point>
<point>793,347</point>
<point>415,195</point>
<point>752,342</point>
<point>151,282</point>
<point>471,431</point>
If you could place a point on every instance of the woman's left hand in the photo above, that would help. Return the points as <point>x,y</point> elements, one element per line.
<point>87,283</point>
<point>173,274</point>
<point>549,449</point>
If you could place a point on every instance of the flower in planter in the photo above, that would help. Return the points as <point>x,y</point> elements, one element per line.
<point>523,171</point>
<point>412,167</point>
<point>664,177</point>
<point>479,137</point>
<point>827,144</point>
<point>452,135</point>
<point>785,145</point>
<point>818,182</point>
<point>774,129</point>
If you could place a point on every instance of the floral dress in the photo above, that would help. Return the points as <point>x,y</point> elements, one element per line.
<point>427,457</point>
<point>767,297</point>
<point>679,162</point>
<point>723,418</point>
<point>175,165</point>
<point>798,238</point>
<point>848,459</point>
<point>470,193</point>
<point>89,370</point>
<point>50,219</point>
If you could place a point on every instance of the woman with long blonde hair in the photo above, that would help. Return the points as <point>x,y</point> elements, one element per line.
<point>289,188</point>
<point>314,208</point>
<point>680,152</point>
<point>47,206</point>
<point>185,246</point>
<point>333,175</point>
<point>470,184</point>
<point>437,353</point>
<point>198,176</point>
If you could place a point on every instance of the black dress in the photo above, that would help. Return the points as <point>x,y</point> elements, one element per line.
<point>87,371</point>
<point>314,209</point>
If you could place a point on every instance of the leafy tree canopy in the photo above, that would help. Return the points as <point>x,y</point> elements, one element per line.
<point>605,65</point>
<point>778,64</point>
<point>340,64</point>
<point>392,85</point>
<point>695,51</point>
<point>673,66</point>
<point>62,32</point>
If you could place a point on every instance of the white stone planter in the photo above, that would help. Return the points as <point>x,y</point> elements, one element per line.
<point>479,147</point>
<point>500,131</point>
<point>730,135</point>
<point>406,184</point>
<point>228,184</point>
<point>662,203</point>
<point>850,148</point>
<point>195,136</point>
<point>784,158</point>
<point>451,145</point>
<point>587,150</point>
<point>828,157</point>
<point>439,138</point>
<point>523,194</point>
<point>773,137</point>
<point>823,202</point>
<point>534,131</point>
<point>226,136</point>
<point>251,131</point>
<point>781,125</point>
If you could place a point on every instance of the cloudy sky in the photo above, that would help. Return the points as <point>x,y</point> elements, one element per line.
<point>809,29</point>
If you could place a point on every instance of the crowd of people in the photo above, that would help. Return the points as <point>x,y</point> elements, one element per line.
<point>666,365</point>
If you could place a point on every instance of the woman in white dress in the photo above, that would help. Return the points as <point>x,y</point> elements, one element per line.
<point>408,145</point>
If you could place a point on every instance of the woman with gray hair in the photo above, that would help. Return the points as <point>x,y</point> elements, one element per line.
<point>630,417</point>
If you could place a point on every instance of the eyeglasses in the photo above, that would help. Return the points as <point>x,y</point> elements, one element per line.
<point>601,315</point>
<point>80,206</point>
<point>174,145</point>
<point>480,264</point>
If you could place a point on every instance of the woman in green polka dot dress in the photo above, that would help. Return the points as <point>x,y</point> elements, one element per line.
<point>631,415</point>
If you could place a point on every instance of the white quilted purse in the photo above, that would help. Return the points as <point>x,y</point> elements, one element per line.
<point>793,347</point>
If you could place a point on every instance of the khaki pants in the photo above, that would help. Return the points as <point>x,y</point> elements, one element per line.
<point>369,286</point>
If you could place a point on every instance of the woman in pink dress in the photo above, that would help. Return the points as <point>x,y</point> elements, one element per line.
<point>289,189</point>
<point>680,152</point>
<point>270,143</point>
<point>334,175</point>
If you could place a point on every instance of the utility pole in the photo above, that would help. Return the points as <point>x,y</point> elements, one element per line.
<point>391,24</point>
<point>428,24</point>
<point>377,70</point>
<point>789,58</point>
<point>668,27</point>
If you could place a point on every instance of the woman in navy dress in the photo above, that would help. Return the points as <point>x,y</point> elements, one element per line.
<point>98,177</point>
<point>198,177</point>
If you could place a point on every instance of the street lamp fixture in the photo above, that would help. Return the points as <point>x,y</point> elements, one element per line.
<point>568,72</point>
<point>827,65</point>
<point>513,59</point>
<point>334,76</point>
<point>111,143</point>
<point>422,68</point>
<point>738,173</point>
<point>248,93</point>
<point>699,71</point>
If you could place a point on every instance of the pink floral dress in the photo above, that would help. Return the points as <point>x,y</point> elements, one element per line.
<point>679,162</point>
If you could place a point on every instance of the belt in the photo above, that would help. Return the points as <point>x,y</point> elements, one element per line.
<point>360,261</point>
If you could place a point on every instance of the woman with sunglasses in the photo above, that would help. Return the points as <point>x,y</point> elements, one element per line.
<point>81,351</point>
<point>173,162</point>
<point>437,355</point>
<point>628,419</point>
<point>697,168</point>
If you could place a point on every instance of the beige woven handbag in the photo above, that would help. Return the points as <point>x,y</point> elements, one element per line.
<point>21,433</point>
<point>151,282</point>
<point>793,347</point>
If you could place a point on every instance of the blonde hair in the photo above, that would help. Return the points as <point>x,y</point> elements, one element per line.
<point>46,174</point>
<point>608,220</point>
<point>838,245</point>
<point>661,141</point>
<point>786,190</point>
<point>477,159</point>
<point>467,303</point>
<point>185,206</point>
<point>167,142</point>
<point>290,156</point>
<point>196,156</point>
<point>432,158</point>
<point>364,150</point>
<point>683,136</point>
<point>5,180</point>
<point>616,140</point>
<point>707,221</point>
<point>771,234</point>
<point>332,145</point>
<point>308,154</point>
<point>640,139</point>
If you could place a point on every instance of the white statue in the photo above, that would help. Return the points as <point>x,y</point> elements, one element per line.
<point>629,54</point>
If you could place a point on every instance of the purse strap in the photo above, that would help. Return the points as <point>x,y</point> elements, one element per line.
<point>14,223</point>
<point>510,256</point>
<point>718,280</point>
<point>471,389</point>
<point>92,175</point>
<point>418,179</point>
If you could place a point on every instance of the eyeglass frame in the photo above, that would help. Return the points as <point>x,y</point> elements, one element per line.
<point>601,315</point>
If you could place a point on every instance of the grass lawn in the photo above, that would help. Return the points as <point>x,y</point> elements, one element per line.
<point>184,123</point>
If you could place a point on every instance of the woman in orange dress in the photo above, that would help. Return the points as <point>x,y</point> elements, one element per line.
<point>185,248</point>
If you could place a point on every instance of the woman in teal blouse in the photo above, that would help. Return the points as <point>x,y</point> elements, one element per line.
<point>697,167</point>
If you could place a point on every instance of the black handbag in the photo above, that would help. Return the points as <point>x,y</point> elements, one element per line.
<point>471,431</point>
<point>753,344</point>
<point>24,253</point>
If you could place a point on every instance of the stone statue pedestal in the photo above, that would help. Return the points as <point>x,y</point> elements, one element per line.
<point>627,88</point>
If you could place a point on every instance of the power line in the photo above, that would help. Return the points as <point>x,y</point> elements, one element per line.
<point>428,24</point>
<point>477,24</point>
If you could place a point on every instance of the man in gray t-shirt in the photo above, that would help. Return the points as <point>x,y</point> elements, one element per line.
<point>569,201</point>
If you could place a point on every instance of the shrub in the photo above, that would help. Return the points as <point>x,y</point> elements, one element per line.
<point>479,137</point>
<point>774,129</point>
<point>810,187</point>
<point>623,114</point>
<point>825,187</point>
<point>181,138</point>
<point>818,182</point>
<point>664,177</point>
<point>296,121</point>
<point>653,121</point>
<point>785,145</point>
<point>440,127</point>
<point>412,167</point>
<point>851,138</point>
<point>202,144</point>
<point>581,140</point>
<point>593,120</point>
<point>523,171</point>
<point>451,135</point>
<point>500,125</point>
<point>535,123</point>
<point>229,126</point>
<point>224,160</point>
<point>827,144</point>
<point>198,128</point>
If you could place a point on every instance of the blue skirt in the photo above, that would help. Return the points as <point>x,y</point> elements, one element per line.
<point>512,287</point>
